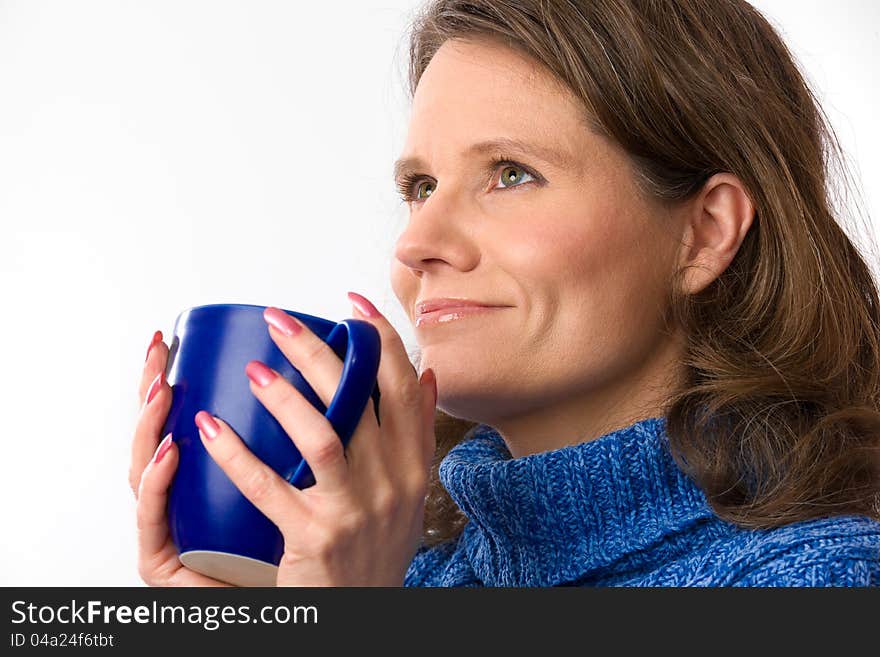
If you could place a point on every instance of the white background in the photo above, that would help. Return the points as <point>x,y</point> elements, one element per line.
<point>160,155</point>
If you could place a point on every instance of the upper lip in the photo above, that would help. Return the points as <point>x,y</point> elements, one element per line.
<point>429,305</point>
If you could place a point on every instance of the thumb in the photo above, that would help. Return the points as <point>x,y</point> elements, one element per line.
<point>428,383</point>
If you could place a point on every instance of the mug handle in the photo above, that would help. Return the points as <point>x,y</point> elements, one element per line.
<point>360,342</point>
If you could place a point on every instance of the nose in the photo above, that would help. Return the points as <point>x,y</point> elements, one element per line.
<point>435,237</point>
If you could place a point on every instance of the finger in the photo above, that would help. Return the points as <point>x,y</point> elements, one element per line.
<point>152,521</point>
<point>429,382</point>
<point>309,430</point>
<point>308,353</point>
<point>153,414</point>
<point>157,357</point>
<point>366,453</point>
<point>322,368</point>
<point>398,382</point>
<point>259,483</point>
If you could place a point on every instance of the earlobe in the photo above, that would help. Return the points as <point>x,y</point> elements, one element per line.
<point>716,223</point>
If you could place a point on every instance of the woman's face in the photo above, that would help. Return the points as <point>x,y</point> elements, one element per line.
<point>556,233</point>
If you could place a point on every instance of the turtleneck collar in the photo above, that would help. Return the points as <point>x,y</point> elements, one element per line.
<point>554,517</point>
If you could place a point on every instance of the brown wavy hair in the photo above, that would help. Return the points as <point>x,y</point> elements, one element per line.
<point>778,418</point>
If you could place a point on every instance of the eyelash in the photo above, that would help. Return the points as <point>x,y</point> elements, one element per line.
<point>406,183</point>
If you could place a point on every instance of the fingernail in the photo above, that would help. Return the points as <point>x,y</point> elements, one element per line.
<point>259,373</point>
<point>207,424</point>
<point>164,446</point>
<point>428,374</point>
<point>281,321</point>
<point>366,308</point>
<point>157,338</point>
<point>155,386</point>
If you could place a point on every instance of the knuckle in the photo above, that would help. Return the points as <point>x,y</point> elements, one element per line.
<point>230,460</point>
<point>316,350</point>
<point>258,485</point>
<point>409,393</point>
<point>290,561</point>
<point>351,525</point>
<point>332,538</point>
<point>284,396</point>
<point>327,451</point>
<point>324,540</point>
<point>386,501</point>
<point>417,486</point>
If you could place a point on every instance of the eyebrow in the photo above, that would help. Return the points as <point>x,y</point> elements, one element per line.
<point>560,158</point>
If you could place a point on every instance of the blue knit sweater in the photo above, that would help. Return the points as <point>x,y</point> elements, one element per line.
<point>617,511</point>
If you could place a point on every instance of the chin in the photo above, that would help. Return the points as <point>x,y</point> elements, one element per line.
<point>475,396</point>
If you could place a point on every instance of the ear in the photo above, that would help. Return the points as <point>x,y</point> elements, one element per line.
<point>715,225</point>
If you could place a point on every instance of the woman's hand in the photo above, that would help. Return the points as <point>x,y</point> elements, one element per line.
<point>152,467</point>
<point>361,522</point>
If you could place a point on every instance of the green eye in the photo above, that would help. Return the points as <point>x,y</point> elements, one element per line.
<point>414,188</point>
<point>512,176</point>
<point>509,176</point>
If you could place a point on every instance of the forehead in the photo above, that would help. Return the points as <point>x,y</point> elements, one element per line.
<point>474,90</point>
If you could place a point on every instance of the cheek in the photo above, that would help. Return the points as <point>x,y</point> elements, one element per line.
<point>572,255</point>
<point>593,280</point>
<point>622,292</point>
<point>545,249</point>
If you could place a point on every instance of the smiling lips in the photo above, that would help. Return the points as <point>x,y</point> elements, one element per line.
<point>440,311</point>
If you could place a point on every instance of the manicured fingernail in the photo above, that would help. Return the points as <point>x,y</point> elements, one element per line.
<point>157,338</point>
<point>429,374</point>
<point>207,424</point>
<point>155,386</point>
<point>164,446</point>
<point>259,373</point>
<point>281,321</point>
<point>366,308</point>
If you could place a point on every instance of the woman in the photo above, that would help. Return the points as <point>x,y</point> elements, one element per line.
<point>677,379</point>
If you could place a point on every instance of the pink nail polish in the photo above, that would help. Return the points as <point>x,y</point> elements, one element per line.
<point>282,321</point>
<point>207,424</point>
<point>164,446</point>
<point>155,386</point>
<point>259,373</point>
<point>428,375</point>
<point>362,304</point>
<point>157,337</point>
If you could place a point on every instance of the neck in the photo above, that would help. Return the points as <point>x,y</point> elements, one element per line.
<point>593,412</point>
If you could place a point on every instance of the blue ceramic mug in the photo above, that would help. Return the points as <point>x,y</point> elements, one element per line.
<point>218,531</point>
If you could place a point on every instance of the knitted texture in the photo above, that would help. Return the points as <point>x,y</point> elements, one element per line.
<point>617,511</point>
